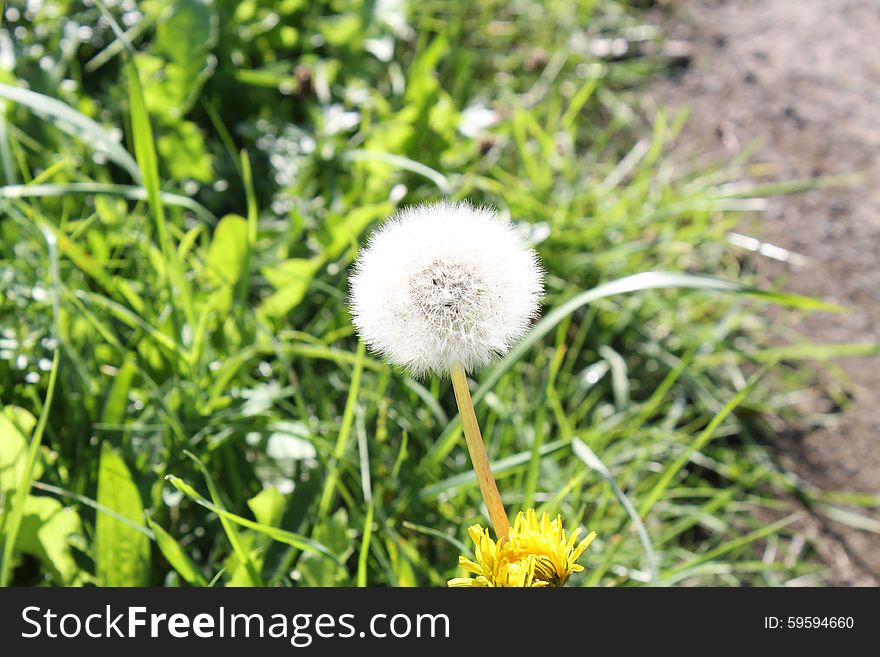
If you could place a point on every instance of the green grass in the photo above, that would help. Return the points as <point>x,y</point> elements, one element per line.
<point>214,420</point>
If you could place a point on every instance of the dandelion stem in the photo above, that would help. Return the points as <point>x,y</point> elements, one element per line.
<point>477,450</point>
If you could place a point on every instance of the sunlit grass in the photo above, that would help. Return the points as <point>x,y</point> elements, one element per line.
<point>192,276</point>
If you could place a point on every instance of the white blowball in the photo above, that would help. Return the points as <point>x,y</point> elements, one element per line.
<point>444,283</point>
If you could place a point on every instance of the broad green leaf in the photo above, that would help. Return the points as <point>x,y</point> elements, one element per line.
<point>46,529</point>
<point>122,553</point>
<point>15,424</point>
<point>183,152</point>
<point>180,60</point>
<point>223,265</point>
<point>240,563</point>
<point>177,556</point>
<point>422,81</point>
<point>344,230</point>
<point>332,532</point>
<point>225,262</point>
<point>185,40</point>
<point>268,506</point>
<point>189,33</point>
<point>10,523</point>
<point>444,118</point>
<point>291,279</point>
<point>342,30</point>
<point>294,270</point>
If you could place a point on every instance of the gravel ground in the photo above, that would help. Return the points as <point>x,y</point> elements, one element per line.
<point>802,78</point>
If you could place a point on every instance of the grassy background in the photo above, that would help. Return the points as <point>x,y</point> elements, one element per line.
<point>177,225</point>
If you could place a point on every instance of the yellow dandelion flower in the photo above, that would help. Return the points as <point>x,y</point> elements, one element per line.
<point>536,553</point>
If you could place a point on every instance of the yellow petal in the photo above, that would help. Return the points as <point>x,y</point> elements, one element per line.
<point>573,539</point>
<point>461,581</point>
<point>583,545</point>
<point>470,566</point>
<point>476,534</point>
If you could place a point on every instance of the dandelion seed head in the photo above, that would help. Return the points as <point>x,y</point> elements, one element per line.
<point>443,283</point>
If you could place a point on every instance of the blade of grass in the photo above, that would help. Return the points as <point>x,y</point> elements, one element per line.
<point>436,533</point>
<point>365,547</point>
<point>97,506</point>
<point>531,481</point>
<point>75,124</point>
<point>742,541</point>
<point>129,318</point>
<point>130,192</point>
<point>499,468</point>
<point>218,506</point>
<point>145,152</point>
<point>850,518</point>
<point>701,441</point>
<point>10,176</point>
<point>330,482</point>
<point>281,535</point>
<point>585,454</point>
<point>635,283</point>
<point>401,162</point>
<point>177,556</point>
<point>247,179</point>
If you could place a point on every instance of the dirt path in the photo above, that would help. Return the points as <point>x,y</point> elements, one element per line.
<point>803,78</point>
